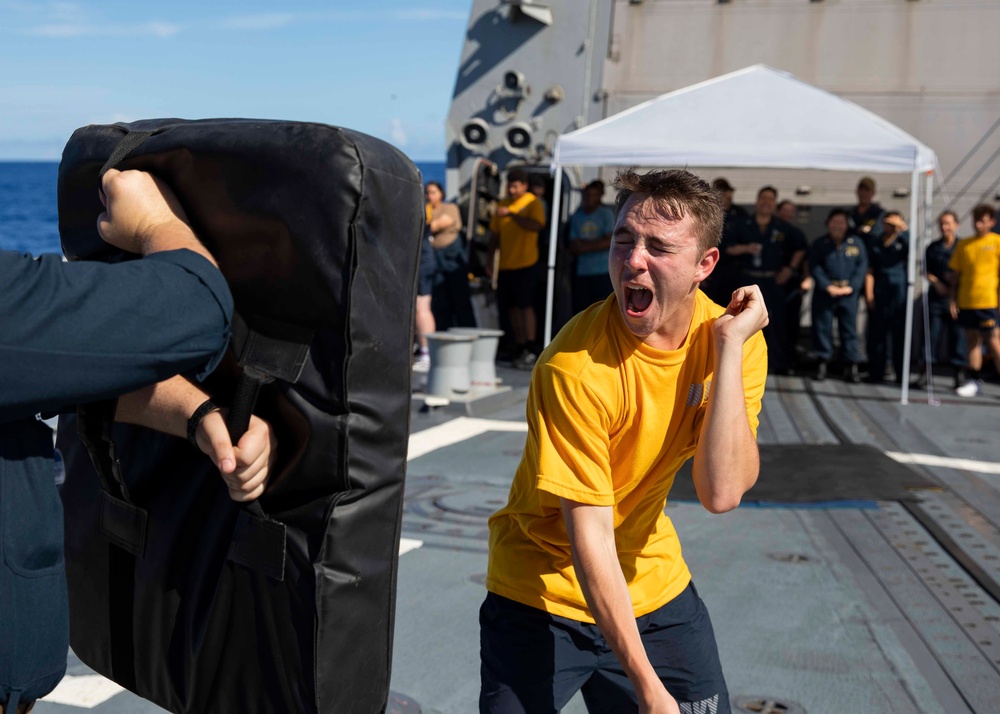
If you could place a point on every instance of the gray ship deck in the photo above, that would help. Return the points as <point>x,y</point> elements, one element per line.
<point>882,606</point>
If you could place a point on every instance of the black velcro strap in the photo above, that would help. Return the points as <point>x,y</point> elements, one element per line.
<point>277,349</point>
<point>259,544</point>
<point>123,524</point>
<point>129,143</point>
<point>121,608</point>
<point>94,422</point>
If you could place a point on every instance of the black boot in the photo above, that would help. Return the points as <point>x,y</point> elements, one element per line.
<point>821,371</point>
<point>853,376</point>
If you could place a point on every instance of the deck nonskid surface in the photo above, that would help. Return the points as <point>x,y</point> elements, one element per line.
<point>884,608</point>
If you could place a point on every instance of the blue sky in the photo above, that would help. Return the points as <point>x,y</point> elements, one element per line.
<point>384,67</point>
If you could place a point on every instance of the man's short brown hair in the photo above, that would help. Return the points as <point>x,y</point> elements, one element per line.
<point>678,194</point>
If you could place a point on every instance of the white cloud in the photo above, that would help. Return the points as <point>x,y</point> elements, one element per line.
<point>69,29</point>
<point>264,21</point>
<point>71,19</point>
<point>397,134</point>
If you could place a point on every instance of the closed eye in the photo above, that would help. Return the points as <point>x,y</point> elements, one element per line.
<point>622,236</point>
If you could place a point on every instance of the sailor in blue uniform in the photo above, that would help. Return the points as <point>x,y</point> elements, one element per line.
<point>770,253</point>
<point>885,293</point>
<point>838,264</point>
<point>947,338</point>
<point>727,274</point>
<point>866,217</point>
<point>78,332</point>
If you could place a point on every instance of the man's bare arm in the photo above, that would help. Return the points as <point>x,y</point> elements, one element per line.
<point>168,405</point>
<point>726,462</point>
<point>528,224</point>
<point>595,559</point>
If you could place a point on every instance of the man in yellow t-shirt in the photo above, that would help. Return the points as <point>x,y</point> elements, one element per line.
<point>514,232</point>
<point>587,586</point>
<point>975,296</point>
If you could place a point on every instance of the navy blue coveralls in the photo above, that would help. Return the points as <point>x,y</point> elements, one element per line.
<point>887,317</point>
<point>727,275</point>
<point>942,326</point>
<point>780,242</point>
<point>74,333</point>
<point>867,225</point>
<point>843,265</point>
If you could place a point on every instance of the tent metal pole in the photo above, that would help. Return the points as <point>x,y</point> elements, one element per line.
<point>924,284</point>
<point>911,272</point>
<point>550,286</point>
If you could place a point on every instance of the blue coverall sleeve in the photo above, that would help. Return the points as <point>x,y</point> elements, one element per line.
<point>816,268</point>
<point>77,332</point>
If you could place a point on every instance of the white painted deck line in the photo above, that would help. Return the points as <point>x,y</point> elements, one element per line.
<point>455,432</point>
<point>85,691</point>
<point>408,544</point>
<point>983,467</point>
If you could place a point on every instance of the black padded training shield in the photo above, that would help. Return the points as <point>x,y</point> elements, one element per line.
<point>176,592</point>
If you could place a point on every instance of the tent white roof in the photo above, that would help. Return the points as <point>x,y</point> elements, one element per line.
<point>755,117</point>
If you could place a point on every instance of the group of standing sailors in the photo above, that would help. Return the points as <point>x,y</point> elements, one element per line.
<point>863,255</point>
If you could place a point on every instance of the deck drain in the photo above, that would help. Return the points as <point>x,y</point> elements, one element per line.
<point>767,705</point>
<point>790,557</point>
<point>399,704</point>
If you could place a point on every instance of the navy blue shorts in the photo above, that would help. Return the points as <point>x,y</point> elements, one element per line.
<point>516,288</point>
<point>533,662</point>
<point>982,320</point>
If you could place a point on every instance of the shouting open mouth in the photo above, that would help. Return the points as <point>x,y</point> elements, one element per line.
<point>637,301</point>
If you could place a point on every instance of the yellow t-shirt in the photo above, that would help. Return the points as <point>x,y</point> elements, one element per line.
<point>610,421</point>
<point>977,262</point>
<point>518,246</point>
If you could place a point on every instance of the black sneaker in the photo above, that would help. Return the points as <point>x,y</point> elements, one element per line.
<point>853,376</point>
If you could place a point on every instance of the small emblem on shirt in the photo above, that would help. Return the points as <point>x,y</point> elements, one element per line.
<point>698,394</point>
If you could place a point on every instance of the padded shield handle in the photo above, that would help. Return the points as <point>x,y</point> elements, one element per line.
<point>129,143</point>
<point>279,353</point>
<point>247,391</point>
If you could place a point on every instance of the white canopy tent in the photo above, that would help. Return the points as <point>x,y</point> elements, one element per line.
<point>755,117</point>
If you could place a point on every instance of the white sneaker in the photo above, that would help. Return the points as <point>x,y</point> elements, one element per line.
<point>421,363</point>
<point>969,389</point>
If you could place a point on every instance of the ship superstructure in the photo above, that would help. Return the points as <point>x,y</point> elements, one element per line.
<point>531,71</point>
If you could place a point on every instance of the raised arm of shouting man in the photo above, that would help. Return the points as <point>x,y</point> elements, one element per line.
<point>587,587</point>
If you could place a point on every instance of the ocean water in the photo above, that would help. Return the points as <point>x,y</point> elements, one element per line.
<point>29,219</point>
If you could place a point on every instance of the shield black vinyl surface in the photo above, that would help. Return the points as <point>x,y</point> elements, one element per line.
<point>199,605</point>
